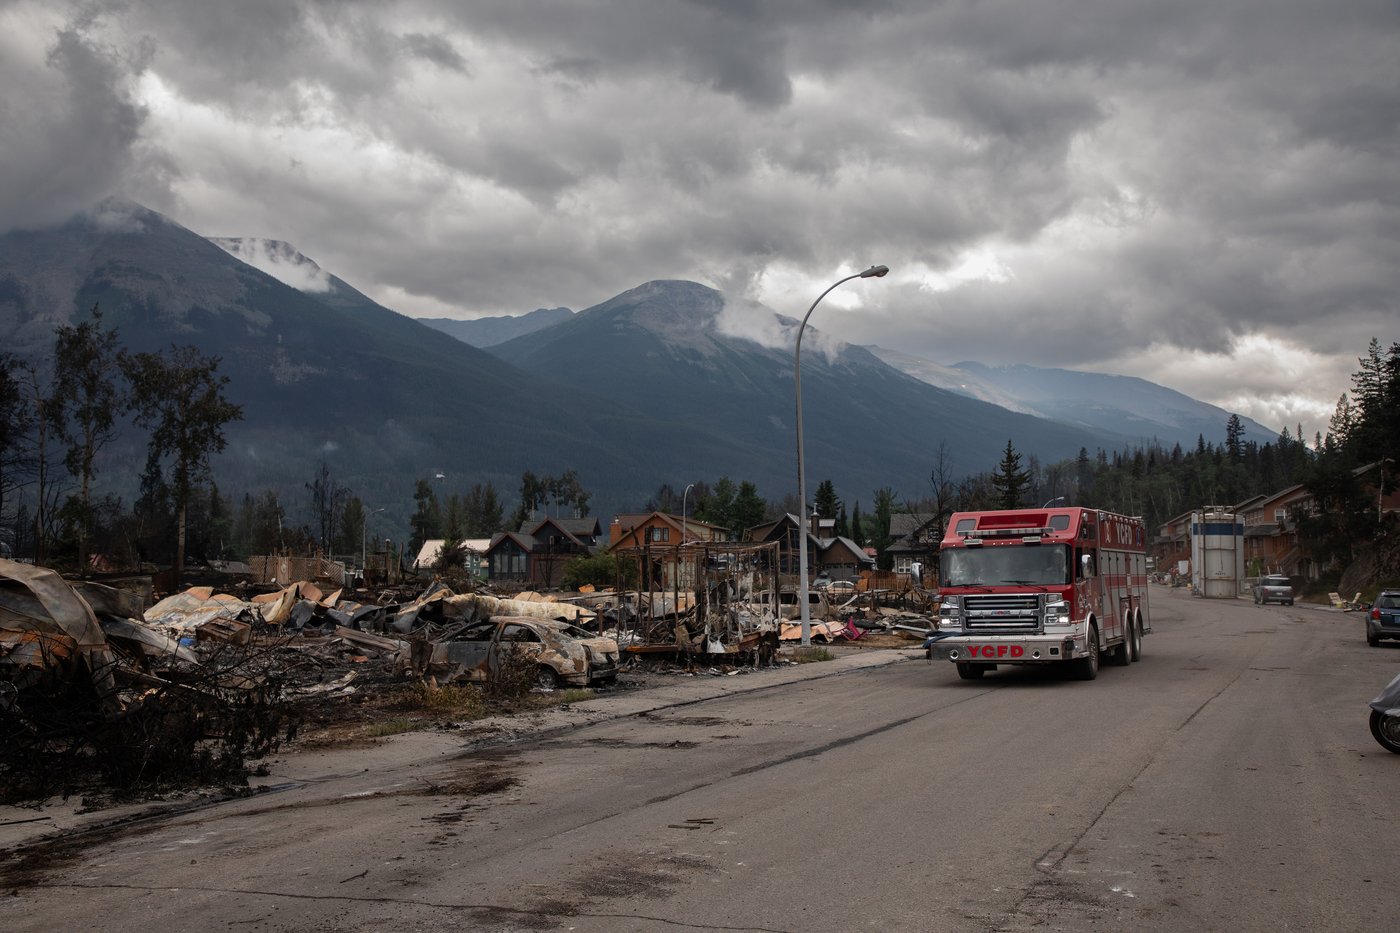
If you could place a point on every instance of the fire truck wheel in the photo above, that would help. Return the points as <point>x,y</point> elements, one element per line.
<point>1135,639</point>
<point>1122,654</point>
<point>1087,667</point>
<point>971,671</point>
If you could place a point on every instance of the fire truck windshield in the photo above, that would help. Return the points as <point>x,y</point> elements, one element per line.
<point>1009,565</point>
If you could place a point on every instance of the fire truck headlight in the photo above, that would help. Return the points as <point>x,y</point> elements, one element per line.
<point>949,614</point>
<point>1057,613</point>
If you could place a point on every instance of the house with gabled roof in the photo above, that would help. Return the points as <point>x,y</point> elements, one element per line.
<point>657,538</point>
<point>840,557</point>
<point>630,530</point>
<point>537,554</point>
<point>915,538</point>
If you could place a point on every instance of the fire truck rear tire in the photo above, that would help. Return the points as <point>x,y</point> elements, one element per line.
<point>1122,654</point>
<point>1135,638</point>
<point>1087,667</point>
<point>971,671</point>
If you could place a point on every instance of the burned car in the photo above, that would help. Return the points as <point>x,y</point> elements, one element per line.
<point>563,653</point>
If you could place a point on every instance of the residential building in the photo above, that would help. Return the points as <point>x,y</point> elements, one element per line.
<point>537,554</point>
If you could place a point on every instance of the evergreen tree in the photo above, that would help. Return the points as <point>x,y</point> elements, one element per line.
<point>857,532</point>
<point>1010,481</point>
<point>1341,425</point>
<point>483,512</point>
<point>717,507</point>
<point>350,533</point>
<point>426,521</point>
<point>1234,436</point>
<point>749,508</point>
<point>454,521</point>
<point>880,535</point>
<point>826,502</point>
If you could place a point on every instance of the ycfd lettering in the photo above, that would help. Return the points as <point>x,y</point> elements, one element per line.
<point>997,651</point>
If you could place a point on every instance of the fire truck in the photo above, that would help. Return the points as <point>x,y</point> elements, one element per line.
<point>1041,586</point>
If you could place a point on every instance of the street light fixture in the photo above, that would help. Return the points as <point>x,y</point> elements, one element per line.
<point>874,272</point>
<point>683,496</point>
<point>364,524</point>
<point>688,488</point>
<point>1053,501</point>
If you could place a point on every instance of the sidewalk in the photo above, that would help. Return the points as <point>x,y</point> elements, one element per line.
<point>361,769</point>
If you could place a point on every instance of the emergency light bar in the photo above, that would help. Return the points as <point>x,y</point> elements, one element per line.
<point>1007,532</point>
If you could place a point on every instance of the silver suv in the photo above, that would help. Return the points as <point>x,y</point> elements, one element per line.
<point>1274,588</point>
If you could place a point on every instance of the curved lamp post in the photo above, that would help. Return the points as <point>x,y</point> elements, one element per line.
<point>688,488</point>
<point>874,272</point>
<point>683,496</point>
<point>364,524</point>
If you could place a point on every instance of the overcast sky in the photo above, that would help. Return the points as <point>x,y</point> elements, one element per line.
<point>1203,193</point>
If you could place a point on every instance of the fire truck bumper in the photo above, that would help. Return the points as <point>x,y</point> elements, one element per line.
<point>1029,649</point>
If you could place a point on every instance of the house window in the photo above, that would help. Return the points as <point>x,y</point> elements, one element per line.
<point>508,563</point>
<point>658,534</point>
<point>903,564</point>
<point>1280,515</point>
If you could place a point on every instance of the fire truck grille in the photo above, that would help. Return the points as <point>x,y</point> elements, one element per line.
<point>1002,612</point>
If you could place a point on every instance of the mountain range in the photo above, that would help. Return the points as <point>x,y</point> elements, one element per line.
<point>1129,406</point>
<point>666,383</point>
<point>486,332</point>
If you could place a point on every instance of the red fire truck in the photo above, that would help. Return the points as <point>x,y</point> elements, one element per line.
<point>1041,586</point>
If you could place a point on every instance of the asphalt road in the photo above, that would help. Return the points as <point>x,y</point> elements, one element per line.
<point>1226,782</point>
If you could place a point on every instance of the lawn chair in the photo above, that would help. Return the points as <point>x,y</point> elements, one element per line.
<point>1337,601</point>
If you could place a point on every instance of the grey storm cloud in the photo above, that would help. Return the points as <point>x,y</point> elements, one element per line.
<point>1161,188</point>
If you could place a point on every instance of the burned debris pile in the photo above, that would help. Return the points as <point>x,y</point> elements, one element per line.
<point>96,692</point>
<point>735,603</point>
<point>91,694</point>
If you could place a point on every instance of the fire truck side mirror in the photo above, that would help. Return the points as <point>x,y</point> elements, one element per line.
<point>1086,562</point>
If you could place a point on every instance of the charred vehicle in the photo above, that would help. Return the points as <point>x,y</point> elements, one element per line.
<point>562,653</point>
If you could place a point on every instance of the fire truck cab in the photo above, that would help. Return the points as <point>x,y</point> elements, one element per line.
<point>1041,586</point>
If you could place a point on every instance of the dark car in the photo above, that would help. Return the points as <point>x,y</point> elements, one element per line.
<point>1383,621</point>
<point>1274,588</point>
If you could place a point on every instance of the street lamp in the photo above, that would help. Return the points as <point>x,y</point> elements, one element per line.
<point>683,495</point>
<point>1380,492</point>
<point>682,544</point>
<point>364,524</point>
<point>874,272</point>
<point>1053,501</point>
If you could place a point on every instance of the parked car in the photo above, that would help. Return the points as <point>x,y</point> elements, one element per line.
<point>563,653</point>
<point>1274,588</point>
<point>1383,621</point>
